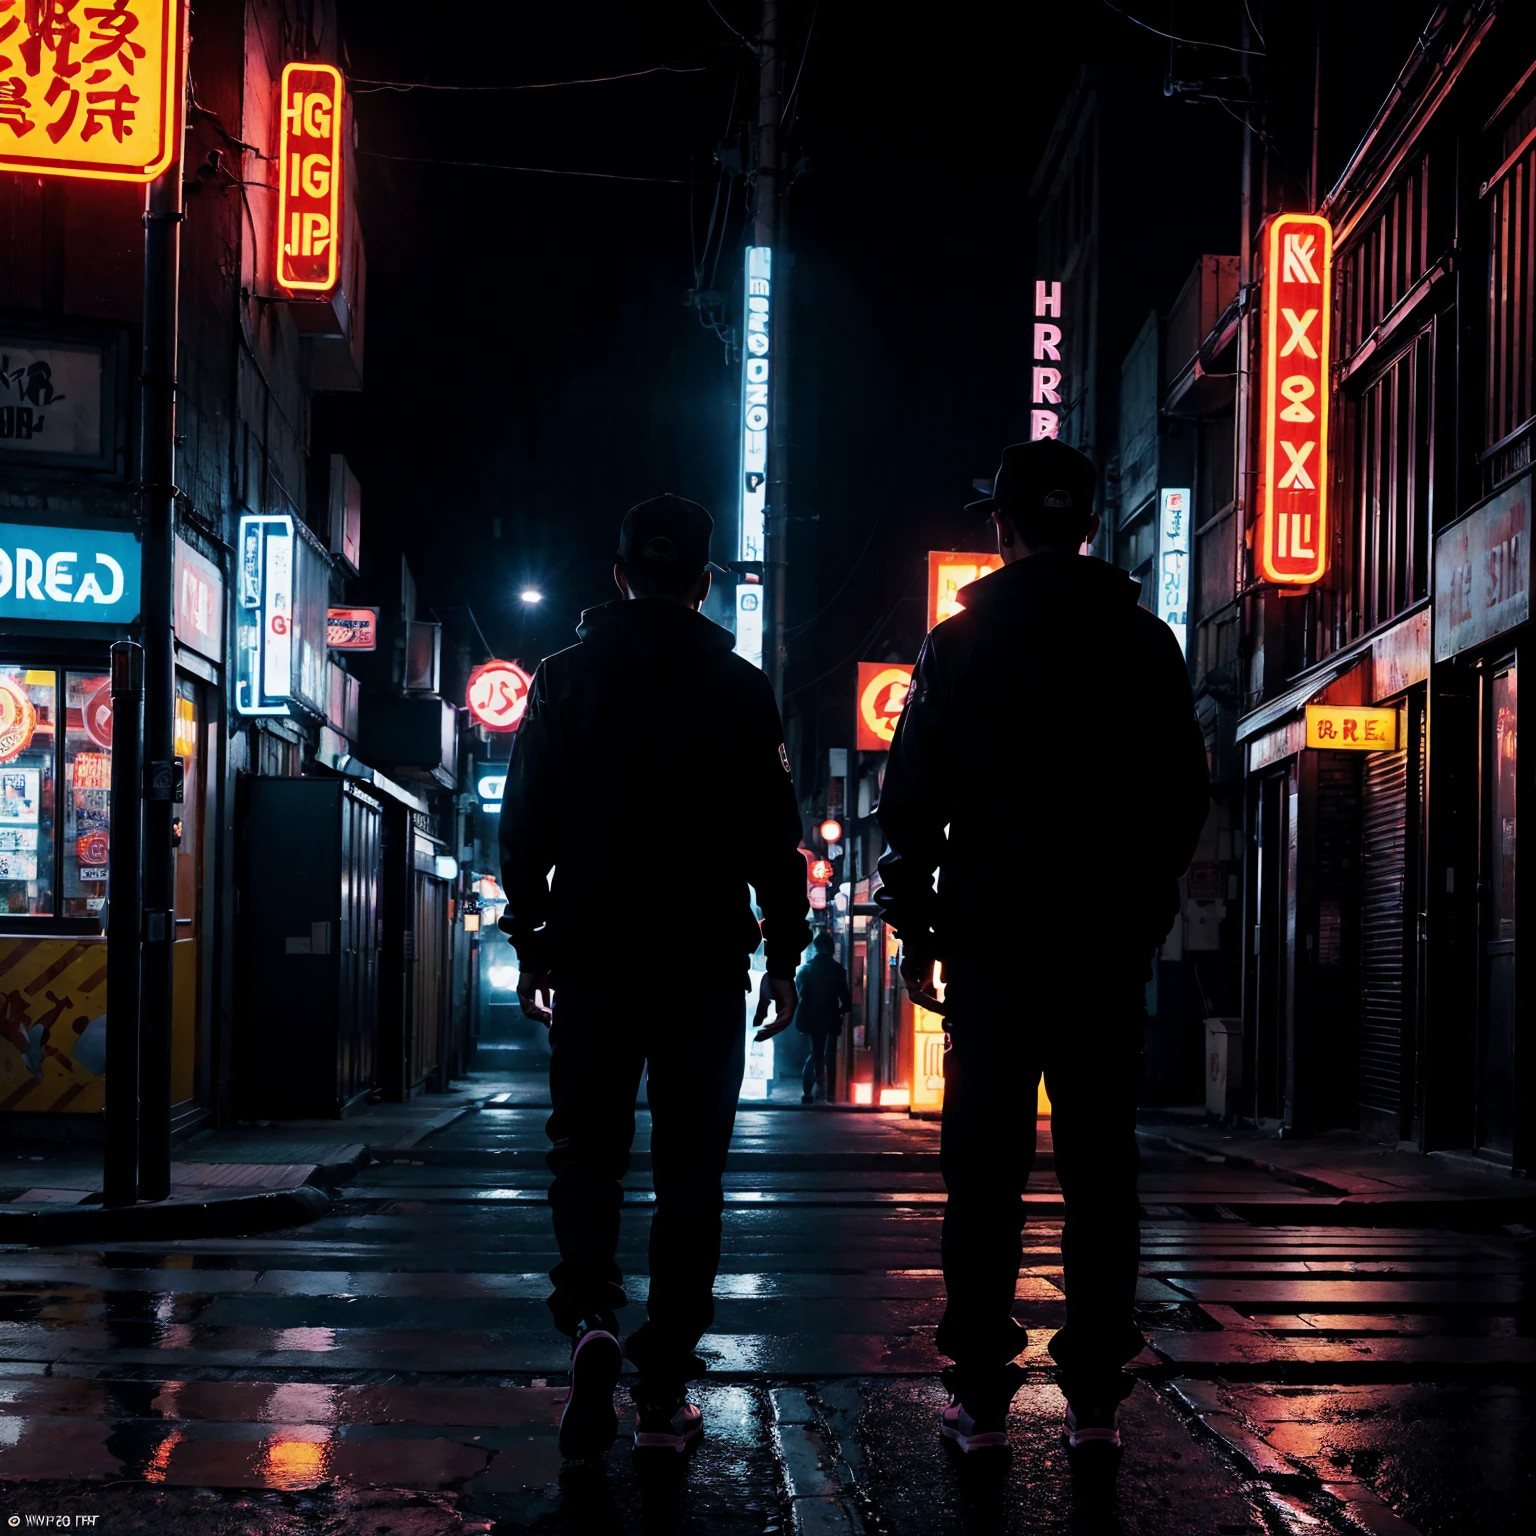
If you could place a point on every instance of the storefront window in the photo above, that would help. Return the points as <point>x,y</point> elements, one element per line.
<point>28,749</point>
<point>88,799</point>
<point>55,793</point>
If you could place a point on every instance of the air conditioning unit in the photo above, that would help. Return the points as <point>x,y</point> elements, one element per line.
<point>423,656</point>
<point>346,521</point>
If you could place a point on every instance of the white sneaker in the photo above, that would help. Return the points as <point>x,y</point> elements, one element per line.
<point>970,1434</point>
<point>665,1428</point>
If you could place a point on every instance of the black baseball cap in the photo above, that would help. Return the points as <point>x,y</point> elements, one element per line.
<point>668,529</point>
<point>1046,478</point>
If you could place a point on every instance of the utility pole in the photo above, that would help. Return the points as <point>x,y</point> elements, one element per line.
<point>768,231</point>
<point>120,1132</point>
<point>157,474</point>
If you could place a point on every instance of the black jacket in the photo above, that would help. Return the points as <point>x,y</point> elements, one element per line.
<point>822,986</point>
<point>1050,727</point>
<point>649,773</point>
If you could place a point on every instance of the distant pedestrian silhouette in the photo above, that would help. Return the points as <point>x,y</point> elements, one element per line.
<point>1048,765</point>
<point>649,731</point>
<point>824,1003</point>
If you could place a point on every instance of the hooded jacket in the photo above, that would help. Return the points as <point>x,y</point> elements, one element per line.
<point>1050,728</point>
<point>649,774</point>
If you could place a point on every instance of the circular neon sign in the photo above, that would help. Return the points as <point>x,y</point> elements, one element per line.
<point>18,720</point>
<point>882,698</point>
<point>497,695</point>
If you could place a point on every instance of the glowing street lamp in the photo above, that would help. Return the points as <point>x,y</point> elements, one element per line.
<point>830,831</point>
<point>531,596</point>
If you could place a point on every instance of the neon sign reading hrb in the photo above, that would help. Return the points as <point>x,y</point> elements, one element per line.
<point>1045,381</point>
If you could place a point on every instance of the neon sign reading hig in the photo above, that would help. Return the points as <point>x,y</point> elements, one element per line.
<point>757,349</point>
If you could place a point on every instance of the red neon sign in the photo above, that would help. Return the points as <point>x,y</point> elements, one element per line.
<point>309,178</point>
<point>497,695</point>
<point>1291,537</point>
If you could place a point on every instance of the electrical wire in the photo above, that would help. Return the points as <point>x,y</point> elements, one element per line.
<point>531,170</point>
<point>790,101</point>
<point>1189,42</point>
<point>363,86</point>
<point>864,644</point>
<point>1253,22</point>
<point>701,261</point>
<point>852,570</point>
<point>724,23</point>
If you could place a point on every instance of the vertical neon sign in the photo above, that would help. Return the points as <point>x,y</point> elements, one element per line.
<point>309,178</point>
<point>1173,562</point>
<point>1291,539</point>
<point>1045,381</point>
<point>755,364</point>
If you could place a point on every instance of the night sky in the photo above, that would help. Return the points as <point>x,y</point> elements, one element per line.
<point>530,357</point>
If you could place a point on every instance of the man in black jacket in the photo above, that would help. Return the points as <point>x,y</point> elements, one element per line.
<point>646,738</point>
<point>824,1004</point>
<point>1049,766</point>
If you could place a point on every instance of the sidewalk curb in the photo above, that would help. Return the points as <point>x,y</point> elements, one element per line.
<point>1335,1204</point>
<point>168,1220</point>
<point>234,1215</point>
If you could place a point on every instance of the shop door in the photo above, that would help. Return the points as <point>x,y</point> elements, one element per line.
<point>1270,951</point>
<point>186,951</point>
<point>1384,948</point>
<point>357,1026</point>
<point>428,978</point>
<point>1496,1105</point>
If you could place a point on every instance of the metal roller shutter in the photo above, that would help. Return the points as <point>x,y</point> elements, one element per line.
<point>1383,931</point>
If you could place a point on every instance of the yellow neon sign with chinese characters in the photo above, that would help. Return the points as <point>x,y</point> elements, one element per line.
<point>90,87</point>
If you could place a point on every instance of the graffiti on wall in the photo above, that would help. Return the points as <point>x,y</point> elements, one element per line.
<point>53,1026</point>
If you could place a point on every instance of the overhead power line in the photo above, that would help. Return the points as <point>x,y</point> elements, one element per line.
<point>1189,42</point>
<point>530,170</point>
<point>363,86</point>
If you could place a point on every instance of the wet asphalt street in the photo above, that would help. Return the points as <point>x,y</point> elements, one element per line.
<point>389,1369</point>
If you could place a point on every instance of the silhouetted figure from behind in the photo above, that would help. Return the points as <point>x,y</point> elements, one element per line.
<point>649,731</point>
<point>824,1003</point>
<point>1049,766</point>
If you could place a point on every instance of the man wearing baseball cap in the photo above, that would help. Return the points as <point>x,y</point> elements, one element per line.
<point>1048,766</point>
<point>642,744</point>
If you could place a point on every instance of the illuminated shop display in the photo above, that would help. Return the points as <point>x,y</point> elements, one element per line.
<point>1291,536</point>
<point>54,842</point>
<point>264,616</point>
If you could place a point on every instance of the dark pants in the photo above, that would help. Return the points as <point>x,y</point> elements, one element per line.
<point>1083,1029</point>
<point>820,1062</point>
<point>693,1044</point>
